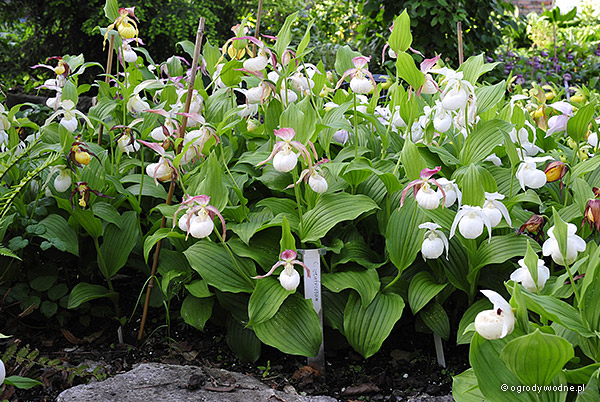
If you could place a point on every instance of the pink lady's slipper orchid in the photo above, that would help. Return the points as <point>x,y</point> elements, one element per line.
<point>498,322</point>
<point>470,221</point>
<point>574,244</point>
<point>359,83</point>
<point>198,218</point>
<point>289,277</point>
<point>423,193</point>
<point>523,276</point>
<point>430,87</point>
<point>284,158</point>
<point>495,210</point>
<point>434,242</point>
<point>313,175</point>
<point>559,123</point>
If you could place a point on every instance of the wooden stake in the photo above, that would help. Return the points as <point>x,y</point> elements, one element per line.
<point>459,32</point>
<point>180,134</point>
<point>257,30</point>
<point>109,58</point>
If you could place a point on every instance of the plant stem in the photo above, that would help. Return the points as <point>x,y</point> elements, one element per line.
<point>111,49</point>
<point>355,129</point>
<point>297,193</point>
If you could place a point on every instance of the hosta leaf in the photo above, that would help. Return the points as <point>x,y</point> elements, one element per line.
<point>537,358</point>
<point>294,330</point>
<point>84,292</point>
<point>242,341</point>
<point>195,311</point>
<point>365,282</point>
<point>403,237</point>
<point>330,210</point>
<point>367,328</point>
<point>422,289</point>
<point>267,297</point>
<point>214,265</point>
<point>117,244</point>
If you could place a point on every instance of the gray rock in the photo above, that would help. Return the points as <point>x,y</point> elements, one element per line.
<point>429,398</point>
<point>162,382</point>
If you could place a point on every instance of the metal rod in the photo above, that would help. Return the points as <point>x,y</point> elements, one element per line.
<point>180,134</point>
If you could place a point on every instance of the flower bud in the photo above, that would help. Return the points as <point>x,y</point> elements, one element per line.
<point>592,214</point>
<point>533,224</point>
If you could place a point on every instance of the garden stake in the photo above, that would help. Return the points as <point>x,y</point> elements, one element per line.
<point>312,290</point>
<point>180,134</point>
<point>460,43</point>
<point>257,30</point>
<point>111,49</point>
<point>439,350</point>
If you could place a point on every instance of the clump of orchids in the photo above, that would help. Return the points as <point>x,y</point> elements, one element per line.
<point>289,277</point>
<point>285,159</point>
<point>198,218</point>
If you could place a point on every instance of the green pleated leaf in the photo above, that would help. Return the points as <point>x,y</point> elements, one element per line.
<point>242,341</point>
<point>111,10</point>
<point>581,375</point>
<point>195,311</point>
<point>117,244</point>
<point>422,289</point>
<point>107,212</point>
<point>21,382</point>
<point>284,37</point>
<point>365,282</point>
<point>214,265</point>
<point>492,373</point>
<point>465,387</point>
<point>489,96</point>
<point>403,236</point>
<point>213,184</point>
<point>456,266</point>
<point>87,220</point>
<point>474,67</point>
<point>468,318</point>
<point>499,250</point>
<point>158,235</point>
<point>408,71</point>
<point>553,309</point>
<point>577,126</point>
<point>267,297</point>
<point>367,328</point>
<point>401,37</point>
<point>343,59</point>
<point>482,140</point>
<point>588,165</point>
<point>470,181</point>
<point>537,358</point>
<point>333,308</point>
<point>294,330</point>
<point>591,393</point>
<point>330,210</point>
<point>359,252</point>
<point>436,318</point>
<point>84,292</point>
<point>199,289</point>
<point>59,234</point>
<point>590,292</point>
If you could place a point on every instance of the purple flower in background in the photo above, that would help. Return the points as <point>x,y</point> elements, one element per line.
<point>520,80</point>
<point>544,53</point>
<point>511,54</point>
<point>570,57</point>
<point>567,77</point>
<point>597,51</point>
<point>489,59</point>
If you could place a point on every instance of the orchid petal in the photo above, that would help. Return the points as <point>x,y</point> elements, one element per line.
<point>276,149</point>
<point>347,73</point>
<point>457,218</point>
<point>500,206</point>
<point>427,173</point>
<point>427,64</point>
<point>411,184</point>
<point>273,268</point>
<point>216,212</point>
<point>285,133</point>
<point>154,146</point>
<point>302,264</point>
<point>563,107</point>
<point>360,61</point>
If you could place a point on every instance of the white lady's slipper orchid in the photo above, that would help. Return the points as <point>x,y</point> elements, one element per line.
<point>442,120</point>
<point>471,221</point>
<point>529,176</point>
<point>160,170</point>
<point>70,114</point>
<point>127,143</point>
<point>575,244</point>
<point>452,191</point>
<point>137,105</point>
<point>2,372</point>
<point>289,277</point>
<point>383,114</point>
<point>457,91</point>
<point>494,159</point>
<point>496,323</point>
<point>287,97</point>
<point>523,276</point>
<point>434,242</point>
<point>129,55</point>
<point>495,210</point>
<point>284,158</point>
<point>216,77</point>
<point>423,193</point>
<point>63,182</point>
<point>592,140</point>
<point>247,110</point>
<point>361,80</point>
<point>198,219</point>
<point>559,123</point>
<point>522,139</point>
<point>301,83</point>
<point>257,63</point>
<point>314,176</point>
<point>341,136</point>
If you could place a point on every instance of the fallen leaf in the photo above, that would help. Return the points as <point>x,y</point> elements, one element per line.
<point>365,388</point>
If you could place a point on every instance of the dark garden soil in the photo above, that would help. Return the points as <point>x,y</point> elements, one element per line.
<point>405,365</point>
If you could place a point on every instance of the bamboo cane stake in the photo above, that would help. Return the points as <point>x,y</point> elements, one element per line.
<point>459,32</point>
<point>257,30</point>
<point>109,58</point>
<point>180,134</point>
